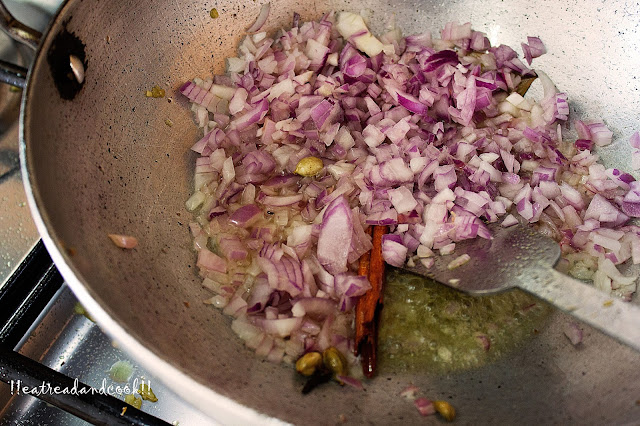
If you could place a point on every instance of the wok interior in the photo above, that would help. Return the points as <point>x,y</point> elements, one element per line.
<point>106,162</point>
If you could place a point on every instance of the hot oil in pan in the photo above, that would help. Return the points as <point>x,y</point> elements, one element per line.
<point>63,46</point>
<point>428,326</point>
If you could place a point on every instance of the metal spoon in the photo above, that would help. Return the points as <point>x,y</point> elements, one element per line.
<point>518,256</point>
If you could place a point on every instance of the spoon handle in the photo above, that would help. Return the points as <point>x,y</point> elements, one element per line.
<point>612,316</point>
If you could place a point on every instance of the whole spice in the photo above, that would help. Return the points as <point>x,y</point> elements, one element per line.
<point>445,409</point>
<point>308,363</point>
<point>309,166</point>
<point>322,367</point>
<point>334,361</point>
<point>369,305</point>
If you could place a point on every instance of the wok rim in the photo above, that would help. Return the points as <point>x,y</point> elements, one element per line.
<point>111,326</point>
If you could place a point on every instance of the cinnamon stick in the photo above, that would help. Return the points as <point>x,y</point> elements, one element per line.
<point>369,305</point>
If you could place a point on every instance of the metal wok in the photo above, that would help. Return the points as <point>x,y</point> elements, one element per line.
<point>98,158</point>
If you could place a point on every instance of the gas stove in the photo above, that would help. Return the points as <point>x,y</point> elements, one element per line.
<point>55,362</point>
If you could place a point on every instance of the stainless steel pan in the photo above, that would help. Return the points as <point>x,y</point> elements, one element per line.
<point>98,159</point>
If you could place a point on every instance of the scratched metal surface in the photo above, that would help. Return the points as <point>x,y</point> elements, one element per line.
<point>18,232</point>
<point>127,172</point>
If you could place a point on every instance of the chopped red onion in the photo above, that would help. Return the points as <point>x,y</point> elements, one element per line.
<point>415,134</point>
<point>334,240</point>
<point>211,261</point>
<point>634,141</point>
<point>402,199</point>
<point>251,117</point>
<point>232,248</point>
<point>261,19</point>
<point>394,251</point>
<point>533,49</point>
<point>279,201</point>
<point>124,241</point>
<point>602,210</point>
<point>479,41</point>
<point>424,406</point>
<point>279,327</point>
<point>351,381</point>
<point>314,307</point>
<point>410,103</point>
<point>509,220</point>
<point>600,134</point>
<point>245,216</point>
<point>484,341</point>
<point>573,333</point>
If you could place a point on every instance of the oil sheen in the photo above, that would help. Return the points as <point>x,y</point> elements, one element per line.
<point>428,326</point>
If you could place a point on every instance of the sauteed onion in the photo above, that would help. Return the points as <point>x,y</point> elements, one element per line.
<point>426,135</point>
